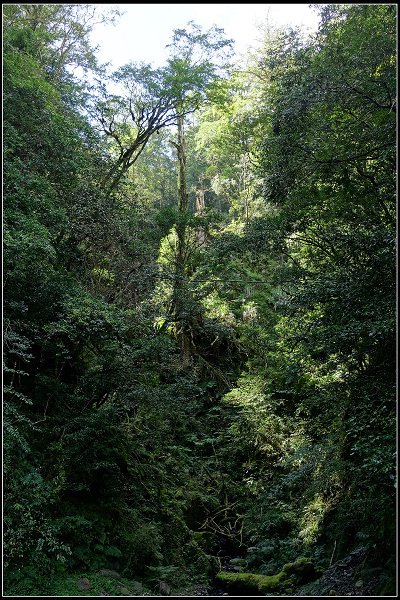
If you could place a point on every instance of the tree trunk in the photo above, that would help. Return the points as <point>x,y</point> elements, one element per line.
<point>182,194</point>
<point>200,208</point>
<point>182,327</point>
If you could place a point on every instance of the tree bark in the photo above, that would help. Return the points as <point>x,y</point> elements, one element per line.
<point>202,235</point>
<point>182,327</point>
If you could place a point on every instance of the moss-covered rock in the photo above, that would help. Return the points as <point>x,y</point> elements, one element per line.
<point>249,584</point>
<point>302,569</point>
<point>238,562</point>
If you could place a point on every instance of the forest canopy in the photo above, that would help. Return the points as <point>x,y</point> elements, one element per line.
<point>200,309</point>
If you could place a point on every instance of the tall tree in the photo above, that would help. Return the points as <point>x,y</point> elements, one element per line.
<point>328,159</point>
<point>129,120</point>
<point>194,70</point>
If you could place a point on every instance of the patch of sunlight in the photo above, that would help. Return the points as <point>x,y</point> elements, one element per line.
<point>250,312</point>
<point>103,274</point>
<point>168,247</point>
<point>217,308</point>
<point>313,515</point>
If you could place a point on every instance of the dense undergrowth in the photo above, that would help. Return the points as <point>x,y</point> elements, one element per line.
<point>187,385</point>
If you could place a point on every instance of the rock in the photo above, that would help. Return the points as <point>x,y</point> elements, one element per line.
<point>238,562</point>
<point>125,592</point>
<point>136,588</point>
<point>110,573</point>
<point>83,584</point>
<point>248,584</point>
<point>302,569</point>
<point>164,588</point>
<point>343,578</point>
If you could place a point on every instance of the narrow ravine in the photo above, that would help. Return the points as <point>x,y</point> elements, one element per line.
<point>199,300</point>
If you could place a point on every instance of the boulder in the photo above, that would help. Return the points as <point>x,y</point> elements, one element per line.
<point>250,584</point>
<point>124,591</point>
<point>238,562</point>
<point>83,584</point>
<point>302,570</point>
<point>136,588</point>
<point>109,573</point>
<point>164,588</point>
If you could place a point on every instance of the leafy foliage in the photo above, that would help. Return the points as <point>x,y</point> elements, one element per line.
<point>275,437</point>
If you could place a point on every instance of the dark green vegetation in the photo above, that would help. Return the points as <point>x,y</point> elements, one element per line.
<point>199,307</point>
<point>249,584</point>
